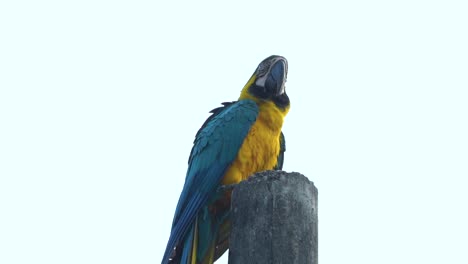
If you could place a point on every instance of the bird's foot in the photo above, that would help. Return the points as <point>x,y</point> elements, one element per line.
<point>227,187</point>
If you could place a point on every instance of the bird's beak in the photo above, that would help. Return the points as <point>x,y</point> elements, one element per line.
<point>276,78</point>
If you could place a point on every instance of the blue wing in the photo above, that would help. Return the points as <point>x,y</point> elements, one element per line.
<point>215,148</point>
<point>222,240</point>
<point>279,164</point>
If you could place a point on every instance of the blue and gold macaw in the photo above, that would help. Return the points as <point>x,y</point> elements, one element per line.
<point>237,140</point>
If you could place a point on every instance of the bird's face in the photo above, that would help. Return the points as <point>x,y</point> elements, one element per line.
<point>268,82</point>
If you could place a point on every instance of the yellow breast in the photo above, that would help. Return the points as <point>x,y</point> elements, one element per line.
<point>260,148</point>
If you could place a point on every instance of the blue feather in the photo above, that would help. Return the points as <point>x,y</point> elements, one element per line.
<point>215,147</point>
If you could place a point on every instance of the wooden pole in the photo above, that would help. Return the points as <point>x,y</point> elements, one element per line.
<point>274,220</point>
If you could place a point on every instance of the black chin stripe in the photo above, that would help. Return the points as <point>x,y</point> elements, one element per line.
<point>259,92</point>
<point>282,101</point>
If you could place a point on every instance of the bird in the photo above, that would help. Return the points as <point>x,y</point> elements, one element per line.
<point>238,139</point>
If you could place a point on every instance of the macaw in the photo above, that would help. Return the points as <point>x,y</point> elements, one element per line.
<point>239,139</point>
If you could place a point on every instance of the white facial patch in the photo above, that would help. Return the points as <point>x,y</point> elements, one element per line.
<point>261,81</point>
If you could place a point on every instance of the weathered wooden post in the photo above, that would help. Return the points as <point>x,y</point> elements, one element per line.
<point>274,220</point>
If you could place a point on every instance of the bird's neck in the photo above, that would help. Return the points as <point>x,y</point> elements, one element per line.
<point>271,116</point>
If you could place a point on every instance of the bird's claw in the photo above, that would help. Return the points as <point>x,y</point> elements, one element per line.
<point>227,187</point>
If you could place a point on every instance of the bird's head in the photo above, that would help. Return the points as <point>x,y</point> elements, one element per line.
<point>267,84</point>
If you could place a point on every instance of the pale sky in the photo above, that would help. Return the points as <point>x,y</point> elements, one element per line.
<point>100,102</point>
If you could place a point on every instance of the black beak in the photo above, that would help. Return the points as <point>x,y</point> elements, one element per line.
<point>276,78</point>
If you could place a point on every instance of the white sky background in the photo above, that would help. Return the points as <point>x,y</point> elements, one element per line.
<point>100,102</point>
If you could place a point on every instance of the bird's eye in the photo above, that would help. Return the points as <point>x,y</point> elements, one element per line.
<point>262,69</point>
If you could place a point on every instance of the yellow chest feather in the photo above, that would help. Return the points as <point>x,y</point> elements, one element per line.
<point>259,150</point>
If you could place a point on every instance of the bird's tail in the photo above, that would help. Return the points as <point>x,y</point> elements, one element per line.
<point>198,246</point>
<point>206,239</point>
<point>189,251</point>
